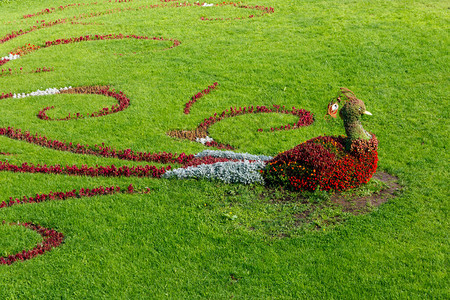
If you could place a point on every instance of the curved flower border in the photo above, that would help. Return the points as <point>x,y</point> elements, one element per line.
<point>263,11</point>
<point>51,239</point>
<point>50,10</point>
<point>45,24</point>
<point>123,103</point>
<point>196,97</point>
<point>97,150</point>
<point>201,132</point>
<point>59,196</point>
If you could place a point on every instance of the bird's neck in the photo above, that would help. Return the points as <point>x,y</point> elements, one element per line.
<point>355,131</point>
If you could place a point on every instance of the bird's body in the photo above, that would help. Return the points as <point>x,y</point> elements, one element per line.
<point>329,162</point>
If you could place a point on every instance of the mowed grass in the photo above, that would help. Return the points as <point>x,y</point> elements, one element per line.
<point>200,239</point>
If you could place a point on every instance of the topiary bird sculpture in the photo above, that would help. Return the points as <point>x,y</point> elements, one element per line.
<point>329,162</point>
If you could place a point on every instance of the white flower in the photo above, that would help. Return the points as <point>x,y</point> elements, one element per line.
<point>204,140</point>
<point>10,57</point>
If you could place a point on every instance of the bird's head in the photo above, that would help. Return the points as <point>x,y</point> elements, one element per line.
<point>351,106</point>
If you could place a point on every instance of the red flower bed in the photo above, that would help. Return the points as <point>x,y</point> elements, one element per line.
<point>51,239</point>
<point>3,61</point>
<point>107,37</point>
<point>104,151</point>
<point>63,7</point>
<point>21,32</point>
<point>123,103</point>
<point>26,49</point>
<point>6,72</point>
<point>323,163</point>
<point>263,10</point>
<point>55,196</point>
<point>305,119</point>
<point>84,170</point>
<point>197,96</point>
<point>45,24</point>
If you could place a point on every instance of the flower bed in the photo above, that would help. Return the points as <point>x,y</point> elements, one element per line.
<point>322,163</point>
<point>84,170</point>
<point>28,48</point>
<point>51,239</point>
<point>188,105</point>
<point>244,172</point>
<point>50,10</point>
<point>201,132</point>
<point>74,20</point>
<point>8,72</point>
<point>226,166</point>
<point>262,9</point>
<point>123,103</point>
<point>58,196</point>
<point>232,155</point>
<point>97,150</point>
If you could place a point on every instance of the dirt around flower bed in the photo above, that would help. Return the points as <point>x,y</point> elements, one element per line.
<point>357,204</point>
<point>294,212</point>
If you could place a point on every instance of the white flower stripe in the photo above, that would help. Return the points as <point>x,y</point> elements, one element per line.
<point>232,155</point>
<point>244,172</point>
<point>49,91</point>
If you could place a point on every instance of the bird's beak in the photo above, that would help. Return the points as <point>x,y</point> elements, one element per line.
<point>367,113</point>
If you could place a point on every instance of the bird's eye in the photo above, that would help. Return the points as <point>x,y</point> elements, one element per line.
<point>334,107</point>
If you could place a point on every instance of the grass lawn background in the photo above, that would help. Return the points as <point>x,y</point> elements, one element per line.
<point>178,241</point>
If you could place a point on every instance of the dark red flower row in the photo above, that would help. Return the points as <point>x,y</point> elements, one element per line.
<point>123,103</point>
<point>103,151</point>
<point>219,145</point>
<point>46,24</point>
<point>4,96</point>
<point>84,170</point>
<point>12,71</point>
<point>21,32</point>
<point>51,239</point>
<point>3,61</point>
<point>264,10</point>
<point>62,7</point>
<point>83,192</point>
<point>197,96</point>
<point>305,117</point>
<point>108,37</point>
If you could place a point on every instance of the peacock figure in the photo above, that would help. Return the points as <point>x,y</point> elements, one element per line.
<point>329,162</point>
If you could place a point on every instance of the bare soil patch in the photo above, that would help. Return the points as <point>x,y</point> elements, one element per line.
<point>363,204</point>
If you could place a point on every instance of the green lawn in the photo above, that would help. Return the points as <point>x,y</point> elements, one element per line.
<point>201,239</point>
